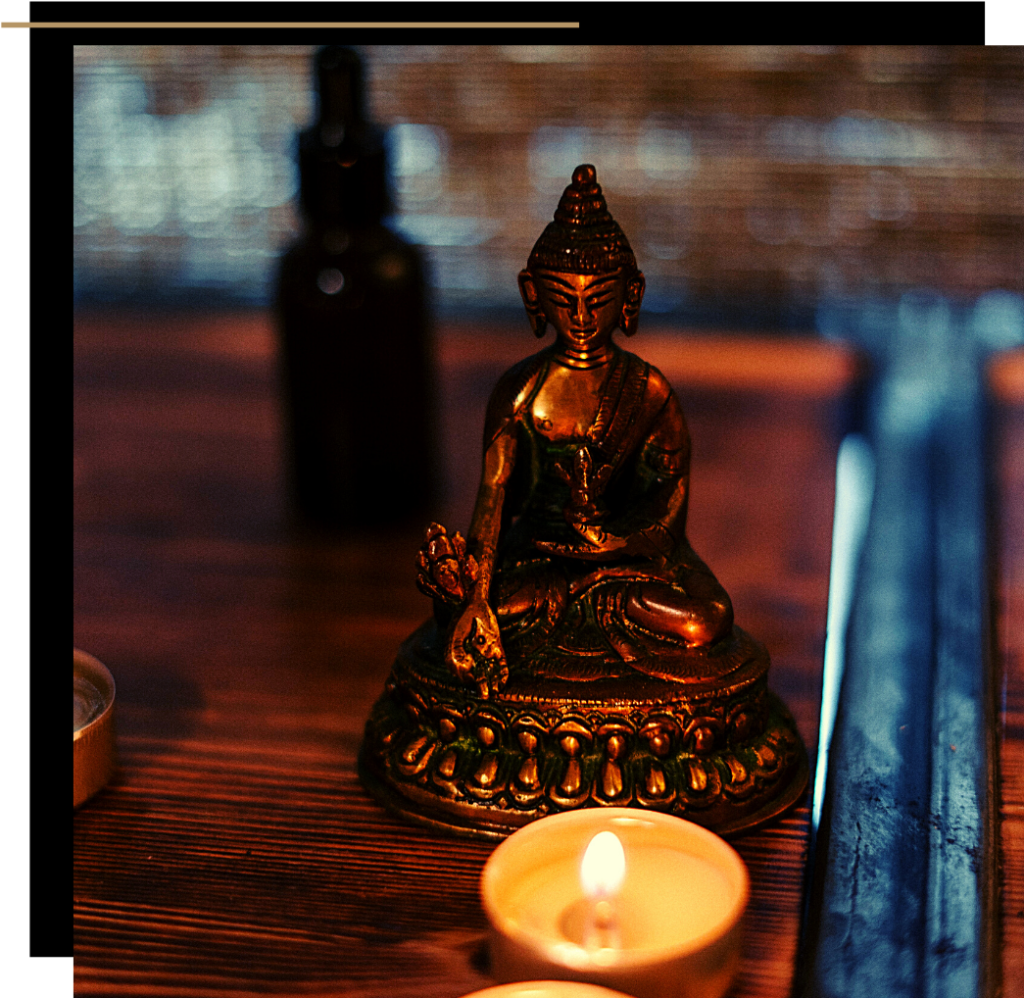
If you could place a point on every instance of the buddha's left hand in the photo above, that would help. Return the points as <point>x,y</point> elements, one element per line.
<point>599,545</point>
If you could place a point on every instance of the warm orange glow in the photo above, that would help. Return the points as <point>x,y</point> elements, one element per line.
<point>604,866</point>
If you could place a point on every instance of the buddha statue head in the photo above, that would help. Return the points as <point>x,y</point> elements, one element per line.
<point>582,276</point>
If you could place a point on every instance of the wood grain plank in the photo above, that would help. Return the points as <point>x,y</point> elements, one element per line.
<point>235,852</point>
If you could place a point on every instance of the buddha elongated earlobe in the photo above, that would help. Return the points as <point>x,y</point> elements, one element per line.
<point>538,322</point>
<point>631,304</point>
<point>628,321</point>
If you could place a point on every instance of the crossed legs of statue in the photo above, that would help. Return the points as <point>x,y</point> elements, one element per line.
<point>693,609</point>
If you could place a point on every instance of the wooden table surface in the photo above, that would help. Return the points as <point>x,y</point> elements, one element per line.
<point>236,852</point>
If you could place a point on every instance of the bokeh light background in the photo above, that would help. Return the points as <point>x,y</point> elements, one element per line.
<point>758,185</point>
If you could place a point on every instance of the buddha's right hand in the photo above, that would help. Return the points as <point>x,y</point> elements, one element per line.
<point>474,652</point>
<point>444,569</point>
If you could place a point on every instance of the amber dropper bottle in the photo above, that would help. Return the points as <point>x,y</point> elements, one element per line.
<point>354,327</point>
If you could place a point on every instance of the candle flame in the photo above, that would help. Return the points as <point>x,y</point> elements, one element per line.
<point>604,866</point>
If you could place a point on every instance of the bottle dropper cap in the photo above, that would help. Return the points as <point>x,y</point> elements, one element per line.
<point>342,159</point>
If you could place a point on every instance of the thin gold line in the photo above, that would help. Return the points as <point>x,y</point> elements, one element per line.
<point>289,24</point>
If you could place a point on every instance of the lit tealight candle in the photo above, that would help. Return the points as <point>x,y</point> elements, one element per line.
<point>641,902</point>
<point>601,874</point>
<point>546,989</point>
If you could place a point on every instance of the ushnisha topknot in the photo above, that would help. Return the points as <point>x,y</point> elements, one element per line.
<point>583,238</point>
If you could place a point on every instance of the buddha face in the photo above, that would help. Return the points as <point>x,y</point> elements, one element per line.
<point>584,309</point>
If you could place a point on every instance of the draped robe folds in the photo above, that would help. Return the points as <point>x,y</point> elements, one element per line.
<point>568,617</point>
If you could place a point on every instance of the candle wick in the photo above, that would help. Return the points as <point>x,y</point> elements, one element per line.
<point>602,926</point>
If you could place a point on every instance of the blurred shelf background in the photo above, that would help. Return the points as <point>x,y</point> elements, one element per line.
<point>759,185</point>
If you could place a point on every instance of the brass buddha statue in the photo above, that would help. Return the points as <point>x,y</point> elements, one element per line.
<point>580,652</point>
